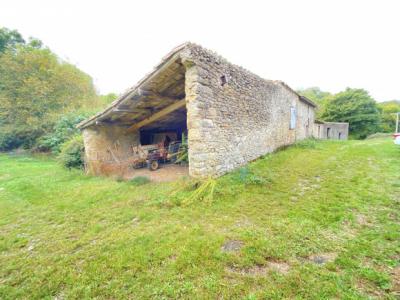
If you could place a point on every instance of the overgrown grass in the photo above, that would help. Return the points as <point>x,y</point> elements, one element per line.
<point>139,180</point>
<point>66,235</point>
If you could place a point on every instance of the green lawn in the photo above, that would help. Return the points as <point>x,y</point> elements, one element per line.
<point>319,220</point>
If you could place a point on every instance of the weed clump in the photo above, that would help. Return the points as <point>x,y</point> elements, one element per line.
<point>139,180</point>
<point>307,144</point>
<point>247,177</point>
<point>190,191</point>
<point>204,192</point>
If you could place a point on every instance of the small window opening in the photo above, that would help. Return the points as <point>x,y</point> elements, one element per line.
<point>223,80</point>
<point>292,118</point>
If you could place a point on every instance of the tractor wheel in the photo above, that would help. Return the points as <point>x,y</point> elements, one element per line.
<point>152,165</point>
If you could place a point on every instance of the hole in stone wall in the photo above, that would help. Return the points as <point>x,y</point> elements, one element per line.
<point>223,80</point>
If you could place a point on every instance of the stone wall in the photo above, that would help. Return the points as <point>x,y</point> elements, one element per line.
<point>305,120</point>
<point>331,130</point>
<point>108,150</point>
<point>235,116</point>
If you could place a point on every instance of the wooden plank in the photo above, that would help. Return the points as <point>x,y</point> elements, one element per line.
<point>156,96</point>
<point>133,110</point>
<point>158,115</point>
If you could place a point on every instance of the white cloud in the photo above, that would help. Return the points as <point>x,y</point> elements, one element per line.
<point>330,44</point>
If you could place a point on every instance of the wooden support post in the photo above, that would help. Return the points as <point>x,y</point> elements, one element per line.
<point>158,115</point>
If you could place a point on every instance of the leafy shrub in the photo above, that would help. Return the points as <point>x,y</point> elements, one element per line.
<point>12,138</point>
<point>71,154</point>
<point>9,140</point>
<point>246,176</point>
<point>388,112</point>
<point>64,129</point>
<point>139,180</point>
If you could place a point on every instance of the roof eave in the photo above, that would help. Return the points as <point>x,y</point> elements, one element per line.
<point>136,89</point>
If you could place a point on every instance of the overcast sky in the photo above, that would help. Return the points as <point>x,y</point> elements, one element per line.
<point>330,44</point>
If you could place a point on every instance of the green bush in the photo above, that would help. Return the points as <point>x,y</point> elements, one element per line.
<point>71,154</point>
<point>13,138</point>
<point>9,141</point>
<point>62,131</point>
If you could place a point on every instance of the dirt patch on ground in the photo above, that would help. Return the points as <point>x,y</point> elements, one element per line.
<point>244,223</point>
<point>362,220</point>
<point>261,270</point>
<point>5,176</point>
<point>168,172</point>
<point>279,266</point>
<point>322,258</point>
<point>305,185</point>
<point>252,271</point>
<point>395,276</point>
<point>368,289</point>
<point>232,246</point>
<point>348,230</point>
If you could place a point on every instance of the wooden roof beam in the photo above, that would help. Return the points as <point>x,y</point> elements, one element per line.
<point>158,115</point>
<point>155,95</point>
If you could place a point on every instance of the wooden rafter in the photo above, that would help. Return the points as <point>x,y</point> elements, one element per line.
<point>133,110</point>
<point>154,95</point>
<point>158,115</point>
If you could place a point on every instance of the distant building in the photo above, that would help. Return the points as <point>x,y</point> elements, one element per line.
<point>229,115</point>
<point>331,130</point>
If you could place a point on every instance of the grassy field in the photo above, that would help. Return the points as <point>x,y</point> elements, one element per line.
<point>319,220</point>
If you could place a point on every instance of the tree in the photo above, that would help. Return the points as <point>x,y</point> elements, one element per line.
<point>356,107</point>
<point>107,99</point>
<point>61,132</point>
<point>9,39</point>
<point>317,96</point>
<point>388,111</point>
<point>36,88</point>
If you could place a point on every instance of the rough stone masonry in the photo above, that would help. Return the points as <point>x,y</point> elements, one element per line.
<point>231,115</point>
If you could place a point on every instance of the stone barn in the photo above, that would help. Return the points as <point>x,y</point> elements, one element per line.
<point>228,115</point>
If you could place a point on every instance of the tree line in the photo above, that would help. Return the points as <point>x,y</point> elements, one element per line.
<point>355,106</point>
<point>42,97</point>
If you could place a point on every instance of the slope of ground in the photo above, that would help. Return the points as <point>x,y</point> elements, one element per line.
<point>319,220</point>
